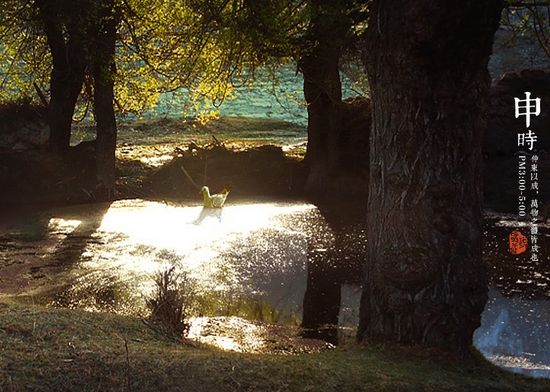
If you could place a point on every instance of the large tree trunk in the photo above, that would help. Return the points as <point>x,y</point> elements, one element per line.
<point>103,74</point>
<point>67,75</point>
<point>427,67</point>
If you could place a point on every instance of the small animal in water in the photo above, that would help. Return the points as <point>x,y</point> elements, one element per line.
<point>214,201</point>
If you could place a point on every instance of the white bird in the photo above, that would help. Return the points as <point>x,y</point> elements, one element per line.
<point>214,201</point>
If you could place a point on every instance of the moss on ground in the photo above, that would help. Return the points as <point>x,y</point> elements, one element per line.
<point>46,349</point>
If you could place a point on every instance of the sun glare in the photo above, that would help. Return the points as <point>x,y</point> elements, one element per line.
<point>142,237</point>
<point>65,226</point>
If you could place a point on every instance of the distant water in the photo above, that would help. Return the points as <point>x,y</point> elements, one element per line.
<point>278,97</point>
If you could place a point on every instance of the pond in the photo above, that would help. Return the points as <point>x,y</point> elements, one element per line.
<point>277,261</point>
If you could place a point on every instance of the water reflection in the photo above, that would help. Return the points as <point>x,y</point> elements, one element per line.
<point>322,297</point>
<point>209,213</point>
<point>516,274</point>
<point>334,258</point>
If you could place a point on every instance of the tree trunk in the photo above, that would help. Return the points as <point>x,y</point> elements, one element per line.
<point>66,78</point>
<point>103,74</point>
<point>322,87</point>
<point>65,88</point>
<point>427,67</point>
<point>323,93</point>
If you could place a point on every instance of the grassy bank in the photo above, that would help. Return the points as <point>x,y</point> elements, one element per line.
<point>46,349</point>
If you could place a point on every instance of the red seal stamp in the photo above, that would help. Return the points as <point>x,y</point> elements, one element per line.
<point>517,242</point>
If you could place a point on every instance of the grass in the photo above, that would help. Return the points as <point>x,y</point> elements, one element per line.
<point>46,349</point>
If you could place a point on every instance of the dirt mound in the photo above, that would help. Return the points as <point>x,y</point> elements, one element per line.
<point>23,126</point>
<point>36,176</point>
<point>261,171</point>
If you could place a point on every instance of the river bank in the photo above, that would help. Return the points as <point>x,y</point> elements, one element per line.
<point>250,153</point>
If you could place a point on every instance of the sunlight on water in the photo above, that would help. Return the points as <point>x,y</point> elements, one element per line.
<point>227,333</point>
<point>193,233</point>
<point>253,260</point>
<point>240,335</point>
<point>156,161</point>
<point>138,238</point>
<point>259,251</point>
<point>65,226</point>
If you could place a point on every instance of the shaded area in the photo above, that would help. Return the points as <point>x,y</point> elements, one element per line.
<point>33,176</point>
<point>335,256</point>
<point>38,248</point>
<point>38,177</point>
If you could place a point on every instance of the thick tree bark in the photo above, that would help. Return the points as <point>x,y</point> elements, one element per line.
<point>427,67</point>
<point>103,74</point>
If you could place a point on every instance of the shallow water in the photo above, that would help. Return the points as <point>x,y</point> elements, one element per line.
<point>515,334</point>
<point>104,257</point>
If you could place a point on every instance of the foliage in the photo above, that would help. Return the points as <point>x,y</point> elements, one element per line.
<point>200,50</point>
<point>197,51</point>
<point>24,55</point>
<point>168,305</point>
<point>227,303</point>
